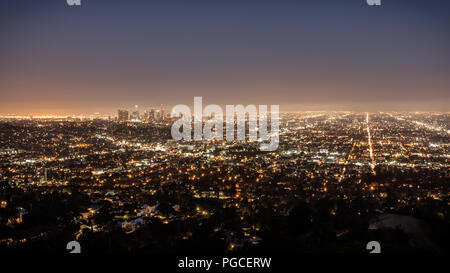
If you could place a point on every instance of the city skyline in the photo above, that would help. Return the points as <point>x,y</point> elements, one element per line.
<point>114,114</point>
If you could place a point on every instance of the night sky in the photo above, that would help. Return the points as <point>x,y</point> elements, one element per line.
<point>303,55</point>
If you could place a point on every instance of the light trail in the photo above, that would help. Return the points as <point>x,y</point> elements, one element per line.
<point>372,165</point>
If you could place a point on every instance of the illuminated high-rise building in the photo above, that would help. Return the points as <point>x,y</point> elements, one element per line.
<point>135,115</point>
<point>152,115</point>
<point>162,113</point>
<point>145,116</point>
<point>122,115</point>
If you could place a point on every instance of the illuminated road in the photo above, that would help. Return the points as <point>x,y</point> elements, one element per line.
<point>372,164</point>
<point>421,124</point>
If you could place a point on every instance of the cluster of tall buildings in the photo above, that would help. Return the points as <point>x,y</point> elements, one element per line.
<point>151,115</point>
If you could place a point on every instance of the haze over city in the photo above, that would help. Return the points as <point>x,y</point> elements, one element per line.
<point>309,55</point>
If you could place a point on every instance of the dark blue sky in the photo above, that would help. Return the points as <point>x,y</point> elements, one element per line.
<point>303,55</point>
